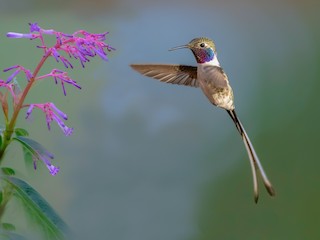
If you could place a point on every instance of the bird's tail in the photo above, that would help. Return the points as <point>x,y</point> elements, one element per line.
<point>254,160</point>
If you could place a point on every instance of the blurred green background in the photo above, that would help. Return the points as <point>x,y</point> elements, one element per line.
<point>149,160</point>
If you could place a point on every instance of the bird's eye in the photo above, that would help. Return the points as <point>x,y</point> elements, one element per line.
<point>202,45</point>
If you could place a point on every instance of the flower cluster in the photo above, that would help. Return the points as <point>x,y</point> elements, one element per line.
<point>62,77</point>
<point>52,113</point>
<point>80,45</point>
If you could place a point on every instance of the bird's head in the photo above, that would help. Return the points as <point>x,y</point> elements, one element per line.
<point>202,48</point>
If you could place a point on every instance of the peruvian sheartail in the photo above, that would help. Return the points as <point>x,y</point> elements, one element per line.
<point>210,77</point>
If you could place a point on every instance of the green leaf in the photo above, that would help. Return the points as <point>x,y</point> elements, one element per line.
<point>53,227</point>
<point>8,226</point>
<point>28,151</point>
<point>32,150</point>
<point>27,155</point>
<point>7,171</point>
<point>21,132</point>
<point>33,146</point>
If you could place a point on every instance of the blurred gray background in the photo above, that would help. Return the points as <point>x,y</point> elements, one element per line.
<point>149,160</point>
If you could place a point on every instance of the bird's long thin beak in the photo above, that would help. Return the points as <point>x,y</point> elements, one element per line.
<point>179,47</point>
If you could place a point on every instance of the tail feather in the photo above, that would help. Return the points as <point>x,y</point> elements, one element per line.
<point>254,160</point>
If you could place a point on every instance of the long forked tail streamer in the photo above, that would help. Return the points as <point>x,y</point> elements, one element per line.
<point>254,160</point>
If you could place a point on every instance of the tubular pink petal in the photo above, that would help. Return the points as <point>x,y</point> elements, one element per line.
<point>10,68</point>
<point>15,73</point>
<point>57,110</point>
<point>53,169</point>
<point>21,35</point>
<point>29,111</point>
<point>34,27</point>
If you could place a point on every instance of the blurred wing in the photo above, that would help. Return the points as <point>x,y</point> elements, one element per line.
<point>175,74</point>
<point>215,76</point>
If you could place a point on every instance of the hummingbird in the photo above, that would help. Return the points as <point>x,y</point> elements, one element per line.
<point>210,77</point>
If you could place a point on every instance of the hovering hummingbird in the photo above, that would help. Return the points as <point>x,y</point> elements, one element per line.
<point>210,77</point>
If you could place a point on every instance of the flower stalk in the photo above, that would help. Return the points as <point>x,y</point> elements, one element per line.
<point>80,45</point>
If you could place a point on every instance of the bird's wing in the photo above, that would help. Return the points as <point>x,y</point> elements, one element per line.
<point>215,76</point>
<point>175,74</point>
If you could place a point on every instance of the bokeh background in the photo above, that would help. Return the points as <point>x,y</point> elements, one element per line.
<point>149,160</point>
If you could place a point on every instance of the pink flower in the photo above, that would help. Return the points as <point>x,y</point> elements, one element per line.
<point>61,76</point>
<point>39,153</point>
<point>45,158</point>
<point>52,169</point>
<point>52,114</point>
<point>80,45</point>
<point>17,71</point>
